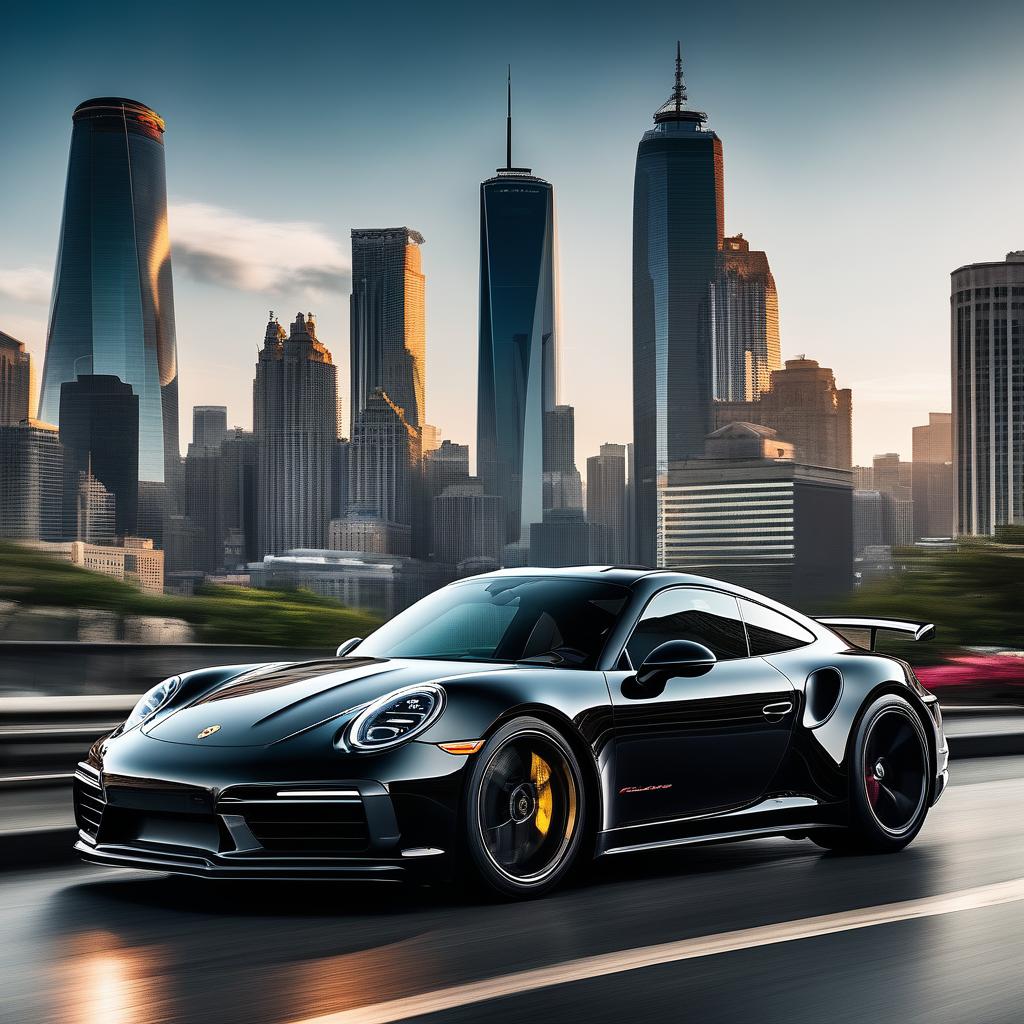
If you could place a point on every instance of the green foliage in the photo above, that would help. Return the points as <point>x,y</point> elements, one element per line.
<point>220,614</point>
<point>974,595</point>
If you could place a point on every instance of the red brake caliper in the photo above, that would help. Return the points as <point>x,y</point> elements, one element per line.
<point>871,784</point>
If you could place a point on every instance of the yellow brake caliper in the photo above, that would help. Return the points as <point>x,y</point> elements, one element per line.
<point>540,776</point>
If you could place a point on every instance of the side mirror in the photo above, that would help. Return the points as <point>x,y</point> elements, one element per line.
<point>348,646</point>
<point>676,658</point>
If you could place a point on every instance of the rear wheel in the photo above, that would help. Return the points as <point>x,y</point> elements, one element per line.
<point>890,781</point>
<point>525,809</point>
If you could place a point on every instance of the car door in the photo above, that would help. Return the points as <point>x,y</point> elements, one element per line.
<point>701,742</point>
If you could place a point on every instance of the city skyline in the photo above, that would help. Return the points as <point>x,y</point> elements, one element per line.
<point>766,189</point>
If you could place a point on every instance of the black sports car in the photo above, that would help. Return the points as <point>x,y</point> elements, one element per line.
<point>513,724</point>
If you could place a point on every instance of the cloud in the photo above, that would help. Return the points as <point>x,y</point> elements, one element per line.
<point>26,284</point>
<point>218,246</point>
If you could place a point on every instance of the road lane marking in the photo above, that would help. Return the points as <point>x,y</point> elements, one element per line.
<point>624,960</point>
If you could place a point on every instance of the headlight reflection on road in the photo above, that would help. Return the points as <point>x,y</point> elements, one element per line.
<point>100,981</point>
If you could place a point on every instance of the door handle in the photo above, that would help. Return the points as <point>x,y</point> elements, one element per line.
<point>777,711</point>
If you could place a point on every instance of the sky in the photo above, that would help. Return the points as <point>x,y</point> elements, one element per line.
<point>869,150</point>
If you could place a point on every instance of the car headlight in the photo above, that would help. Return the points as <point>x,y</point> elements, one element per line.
<point>396,717</point>
<point>151,702</point>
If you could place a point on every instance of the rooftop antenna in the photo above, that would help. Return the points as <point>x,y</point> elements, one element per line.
<point>679,93</point>
<point>508,124</point>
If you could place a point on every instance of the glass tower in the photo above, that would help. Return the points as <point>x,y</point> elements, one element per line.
<point>517,366</point>
<point>387,321</point>
<point>112,310</point>
<point>678,217</point>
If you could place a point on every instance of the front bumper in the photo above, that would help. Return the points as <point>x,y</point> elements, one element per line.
<point>344,829</point>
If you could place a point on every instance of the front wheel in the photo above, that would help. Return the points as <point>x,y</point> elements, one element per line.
<point>525,809</point>
<point>890,781</point>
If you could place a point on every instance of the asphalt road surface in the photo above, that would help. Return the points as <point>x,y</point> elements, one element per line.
<point>771,930</point>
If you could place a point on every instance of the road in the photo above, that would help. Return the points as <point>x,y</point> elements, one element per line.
<point>88,945</point>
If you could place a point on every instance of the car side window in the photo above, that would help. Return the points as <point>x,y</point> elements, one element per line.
<point>706,616</point>
<point>769,632</point>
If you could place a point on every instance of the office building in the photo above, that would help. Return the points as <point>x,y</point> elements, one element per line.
<point>467,524</point>
<point>868,520</point>
<point>209,425</point>
<point>99,429</point>
<point>370,534</point>
<point>295,420</point>
<point>745,321</point>
<point>31,482</point>
<point>92,509</point>
<point>444,465</point>
<point>987,333</point>
<point>864,478</point>
<point>749,513</point>
<point>891,475</point>
<point>133,561</point>
<point>387,334</point>
<point>932,477</point>
<point>803,405</point>
<point>384,462</point>
<point>204,508</point>
<point>678,227</point>
<point>113,304</point>
<point>606,504</point>
<point>563,486</point>
<point>518,360</point>
<point>383,584</point>
<point>561,538</point>
<point>238,461</point>
<point>15,380</point>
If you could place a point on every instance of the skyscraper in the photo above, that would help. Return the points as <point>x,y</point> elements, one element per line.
<point>295,420</point>
<point>387,335</point>
<point>745,323</point>
<point>99,429</point>
<point>467,524</point>
<point>563,487</point>
<point>112,312</point>
<point>209,425</point>
<point>805,407</point>
<point>31,482</point>
<point>678,226</point>
<point>15,380</point>
<point>606,503</point>
<point>932,477</point>
<point>518,359</point>
<point>987,330</point>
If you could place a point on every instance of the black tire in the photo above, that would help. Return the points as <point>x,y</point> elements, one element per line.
<point>525,810</point>
<point>890,779</point>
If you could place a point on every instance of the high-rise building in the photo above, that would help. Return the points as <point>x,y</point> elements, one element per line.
<point>562,538</point>
<point>238,498</point>
<point>15,380</point>
<point>749,513</point>
<point>209,425</point>
<point>92,508</point>
<point>987,330</point>
<point>113,305</point>
<point>932,477</point>
<point>606,503</point>
<point>678,226</point>
<point>31,482</point>
<point>203,484</point>
<point>99,429</point>
<point>868,520</point>
<point>387,334</point>
<point>384,462</point>
<point>444,465</point>
<point>563,486</point>
<point>518,359</point>
<point>864,478</point>
<point>745,323</point>
<point>467,524</point>
<point>891,475</point>
<point>803,405</point>
<point>295,420</point>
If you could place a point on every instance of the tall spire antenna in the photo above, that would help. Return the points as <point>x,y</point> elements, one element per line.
<point>680,90</point>
<point>508,124</point>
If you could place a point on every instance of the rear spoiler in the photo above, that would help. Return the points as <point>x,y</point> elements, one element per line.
<point>856,629</point>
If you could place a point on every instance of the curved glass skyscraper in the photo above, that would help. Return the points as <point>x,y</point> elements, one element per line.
<point>678,219</point>
<point>517,367</point>
<point>112,311</point>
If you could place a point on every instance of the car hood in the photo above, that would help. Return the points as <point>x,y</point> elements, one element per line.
<point>278,702</point>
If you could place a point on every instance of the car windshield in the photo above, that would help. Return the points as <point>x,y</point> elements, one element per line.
<point>532,620</point>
